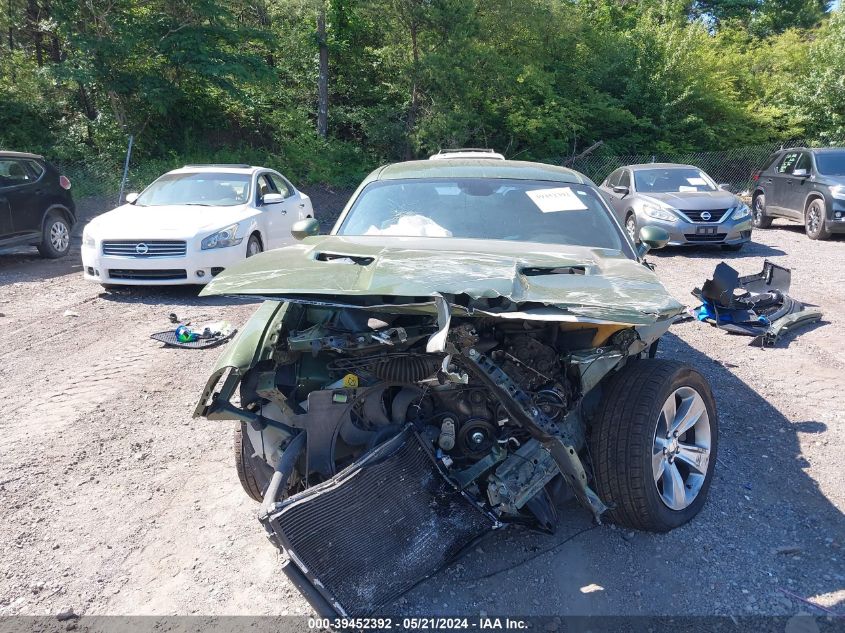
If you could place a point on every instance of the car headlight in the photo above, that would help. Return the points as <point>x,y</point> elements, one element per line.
<point>87,239</point>
<point>838,192</point>
<point>741,212</point>
<point>659,214</point>
<point>222,239</point>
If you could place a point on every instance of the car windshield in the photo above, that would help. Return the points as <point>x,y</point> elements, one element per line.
<point>484,208</point>
<point>831,163</point>
<point>672,180</point>
<point>202,189</point>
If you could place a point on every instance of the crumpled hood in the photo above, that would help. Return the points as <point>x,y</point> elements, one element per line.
<point>130,221</point>
<point>696,200</point>
<point>612,288</point>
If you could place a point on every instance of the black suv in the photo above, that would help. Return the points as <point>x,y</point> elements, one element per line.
<point>803,185</point>
<point>35,204</point>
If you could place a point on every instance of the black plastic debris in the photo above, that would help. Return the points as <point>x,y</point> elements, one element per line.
<point>754,305</point>
<point>184,336</point>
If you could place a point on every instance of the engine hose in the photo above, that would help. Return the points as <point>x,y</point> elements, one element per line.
<point>401,402</point>
<point>284,469</point>
<point>406,369</point>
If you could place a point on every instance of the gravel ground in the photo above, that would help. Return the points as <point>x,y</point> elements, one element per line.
<point>116,501</point>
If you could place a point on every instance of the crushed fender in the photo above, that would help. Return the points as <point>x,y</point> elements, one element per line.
<point>754,305</point>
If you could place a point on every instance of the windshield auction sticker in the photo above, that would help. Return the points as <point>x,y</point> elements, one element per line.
<point>554,200</point>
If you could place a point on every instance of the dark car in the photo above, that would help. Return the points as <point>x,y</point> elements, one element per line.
<point>803,185</point>
<point>35,204</point>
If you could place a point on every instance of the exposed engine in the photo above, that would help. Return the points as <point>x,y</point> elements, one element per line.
<point>353,379</point>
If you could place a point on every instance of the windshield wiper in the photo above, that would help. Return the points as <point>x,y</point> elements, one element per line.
<point>197,204</point>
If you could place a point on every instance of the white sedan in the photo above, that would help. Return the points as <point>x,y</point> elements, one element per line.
<point>190,224</point>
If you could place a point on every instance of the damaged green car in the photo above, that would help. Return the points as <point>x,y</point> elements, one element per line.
<point>473,341</point>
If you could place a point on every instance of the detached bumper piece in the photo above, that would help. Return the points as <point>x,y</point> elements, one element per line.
<point>754,305</point>
<point>373,531</point>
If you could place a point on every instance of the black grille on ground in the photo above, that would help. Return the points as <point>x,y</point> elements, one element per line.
<point>716,215</point>
<point>145,248</point>
<point>713,237</point>
<point>369,534</point>
<point>148,275</point>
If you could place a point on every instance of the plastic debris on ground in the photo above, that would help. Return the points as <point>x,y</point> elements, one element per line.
<point>199,337</point>
<point>755,305</point>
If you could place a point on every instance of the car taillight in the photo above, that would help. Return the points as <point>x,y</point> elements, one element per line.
<point>64,183</point>
<point>755,176</point>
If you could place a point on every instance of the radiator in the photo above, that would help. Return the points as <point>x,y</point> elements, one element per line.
<point>377,528</point>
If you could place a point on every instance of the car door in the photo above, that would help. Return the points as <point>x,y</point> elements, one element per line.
<point>23,195</point>
<point>778,184</point>
<point>799,186</point>
<point>278,217</point>
<point>617,201</point>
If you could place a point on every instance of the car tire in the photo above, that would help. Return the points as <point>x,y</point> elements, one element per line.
<point>244,464</point>
<point>631,228</point>
<point>814,220</point>
<point>758,212</point>
<point>733,247</point>
<point>253,245</point>
<point>55,236</point>
<point>631,471</point>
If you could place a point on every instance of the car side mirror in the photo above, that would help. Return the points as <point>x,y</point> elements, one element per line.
<point>652,237</point>
<point>801,173</point>
<point>131,197</point>
<point>725,186</point>
<point>272,198</point>
<point>622,191</point>
<point>305,228</point>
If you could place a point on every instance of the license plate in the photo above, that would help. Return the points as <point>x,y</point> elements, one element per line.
<point>706,230</point>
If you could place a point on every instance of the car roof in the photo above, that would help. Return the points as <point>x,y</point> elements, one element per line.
<point>217,169</point>
<point>477,168</point>
<point>660,166</point>
<point>5,154</point>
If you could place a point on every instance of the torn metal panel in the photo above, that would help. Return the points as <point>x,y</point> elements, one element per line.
<point>495,277</point>
<point>754,305</point>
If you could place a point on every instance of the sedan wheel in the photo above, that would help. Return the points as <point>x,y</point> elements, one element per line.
<point>253,247</point>
<point>631,228</point>
<point>681,451</point>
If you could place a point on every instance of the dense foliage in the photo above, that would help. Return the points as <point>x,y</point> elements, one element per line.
<point>238,79</point>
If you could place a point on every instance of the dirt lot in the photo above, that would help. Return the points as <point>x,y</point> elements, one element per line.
<point>116,501</point>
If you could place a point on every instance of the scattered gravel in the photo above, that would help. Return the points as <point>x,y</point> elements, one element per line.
<point>116,501</point>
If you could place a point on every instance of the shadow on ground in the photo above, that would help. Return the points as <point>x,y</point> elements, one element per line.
<point>766,533</point>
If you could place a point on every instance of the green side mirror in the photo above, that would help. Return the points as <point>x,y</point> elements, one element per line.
<point>652,237</point>
<point>305,228</point>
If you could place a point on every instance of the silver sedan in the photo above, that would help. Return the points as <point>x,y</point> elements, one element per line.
<point>683,200</point>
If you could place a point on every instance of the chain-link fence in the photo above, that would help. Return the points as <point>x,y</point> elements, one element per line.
<point>97,182</point>
<point>732,167</point>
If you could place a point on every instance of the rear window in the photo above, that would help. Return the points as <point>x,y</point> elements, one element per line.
<point>831,163</point>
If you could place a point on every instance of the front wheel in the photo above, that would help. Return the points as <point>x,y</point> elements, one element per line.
<point>758,213</point>
<point>814,221</point>
<point>653,444</point>
<point>253,246</point>
<point>631,228</point>
<point>55,237</point>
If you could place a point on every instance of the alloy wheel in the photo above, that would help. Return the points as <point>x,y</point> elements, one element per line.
<point>59,236</point>
<point>814,218</point>
<point>758,210</point>
<point>631,227</point>
<point>681,451</point>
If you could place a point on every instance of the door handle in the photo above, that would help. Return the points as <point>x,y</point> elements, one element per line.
<point>301,205</point>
